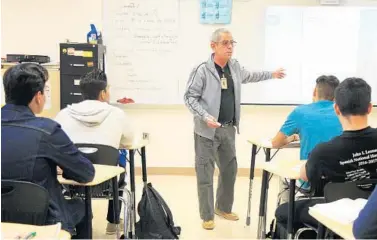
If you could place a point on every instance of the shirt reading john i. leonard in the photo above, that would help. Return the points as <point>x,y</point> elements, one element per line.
<point>349,157</point>
<point>361,158</point>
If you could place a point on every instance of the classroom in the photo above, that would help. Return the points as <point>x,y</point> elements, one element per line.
<point>144,69</point>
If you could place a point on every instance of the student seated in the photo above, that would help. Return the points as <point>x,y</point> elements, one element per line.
<point>95,121</point>
<point>311,123</point>
<point>365,225</point>
<point>33,147</point>
<point>339,159</point>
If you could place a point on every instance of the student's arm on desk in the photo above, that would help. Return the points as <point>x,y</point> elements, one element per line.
<point>288,132</point>
<point>66,156</point>
<point>365,225</point>
<point>280,140</point>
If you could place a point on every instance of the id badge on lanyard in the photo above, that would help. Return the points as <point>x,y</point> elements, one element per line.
<point>224,82</point>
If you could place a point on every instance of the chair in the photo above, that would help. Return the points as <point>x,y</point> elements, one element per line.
<point>334,191</point>
<point>23,202</point>
<point>359,189</point>
<point>104,155</point>
<point>306,230</point>
<point>97,154</point>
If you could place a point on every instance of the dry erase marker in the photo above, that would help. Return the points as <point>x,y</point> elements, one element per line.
<point>31,235</point>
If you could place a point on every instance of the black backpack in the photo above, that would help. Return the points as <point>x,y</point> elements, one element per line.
<point>156,219</point>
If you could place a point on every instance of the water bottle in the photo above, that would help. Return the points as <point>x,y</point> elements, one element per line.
<point>92,36</point>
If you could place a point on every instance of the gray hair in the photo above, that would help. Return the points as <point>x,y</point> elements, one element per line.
<point>216,35</point>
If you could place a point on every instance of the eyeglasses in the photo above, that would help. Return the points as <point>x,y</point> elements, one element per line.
<point>226,43</point>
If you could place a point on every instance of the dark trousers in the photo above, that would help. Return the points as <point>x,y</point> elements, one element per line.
<point>301,213</point>
<point>110,208</point>
<point>77,217</point>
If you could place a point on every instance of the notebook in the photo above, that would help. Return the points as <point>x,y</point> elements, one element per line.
<point>344,210</point>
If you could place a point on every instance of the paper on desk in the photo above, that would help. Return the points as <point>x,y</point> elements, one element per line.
<point>12,231</point>
<point>344,210</point>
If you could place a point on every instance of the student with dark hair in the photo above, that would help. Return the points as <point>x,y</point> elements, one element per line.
<point>311,124</point>
<point>348,157</point>
<point>309,119</point>
<point>33,147</point>
<point>95,121</point>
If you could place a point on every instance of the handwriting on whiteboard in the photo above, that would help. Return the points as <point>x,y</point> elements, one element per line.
<point>147,26</point>
<point>142,41</point>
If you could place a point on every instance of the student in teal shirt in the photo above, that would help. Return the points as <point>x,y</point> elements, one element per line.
<point>312,123</point>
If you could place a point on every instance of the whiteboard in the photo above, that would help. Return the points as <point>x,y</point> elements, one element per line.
<point>158,74</point>
<point>152,46</point>
<point>312,41</point>
<point>142,42</point>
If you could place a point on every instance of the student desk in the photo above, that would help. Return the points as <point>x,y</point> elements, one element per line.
<point>343,230</point>
<point>266,145</point>
<point>133,147</point>
<point>12,230</point>
<point>102,174</point>
<point>285,169</point>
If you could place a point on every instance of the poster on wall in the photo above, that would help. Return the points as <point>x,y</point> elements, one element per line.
<point>215,11</point>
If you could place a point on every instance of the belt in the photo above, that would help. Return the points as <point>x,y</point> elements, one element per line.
<point>226,124</point>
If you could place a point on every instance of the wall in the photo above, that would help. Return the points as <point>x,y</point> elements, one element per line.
<point>170,127</point>
<point>53,21</point>
<point>172,135</point>
<point>50,22</point>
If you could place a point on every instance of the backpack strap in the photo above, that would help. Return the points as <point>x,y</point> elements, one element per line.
<point>162,202</point>
<point>165,207</point>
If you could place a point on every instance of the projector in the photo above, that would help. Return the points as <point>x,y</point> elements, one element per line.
<point>27,58</point>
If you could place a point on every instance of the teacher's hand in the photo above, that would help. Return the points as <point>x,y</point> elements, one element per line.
<point>212,122</point>
<point>280,73</point>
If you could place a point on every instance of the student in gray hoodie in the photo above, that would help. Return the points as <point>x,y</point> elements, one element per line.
<point>95,121</point>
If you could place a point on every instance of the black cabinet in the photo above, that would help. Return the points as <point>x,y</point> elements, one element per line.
<point>76,60</point>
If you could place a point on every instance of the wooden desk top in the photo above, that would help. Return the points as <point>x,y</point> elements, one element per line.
<point>12,230</point>
<point>287,169</point>
<point>103,173</point>
<point>343,230</point>
<point>136,144</point>
<point>266,143</point>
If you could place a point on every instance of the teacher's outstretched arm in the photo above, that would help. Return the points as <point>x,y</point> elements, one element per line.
<point>250,77</point>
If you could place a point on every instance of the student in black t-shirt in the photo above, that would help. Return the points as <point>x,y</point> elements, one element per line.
<point>351,156</point>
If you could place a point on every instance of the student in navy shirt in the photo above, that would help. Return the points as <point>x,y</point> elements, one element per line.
<point>365,226</point>
<point>311,123</point>
<point>33,147</point>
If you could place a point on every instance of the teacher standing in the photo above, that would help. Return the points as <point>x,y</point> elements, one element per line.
<point>213,96</point>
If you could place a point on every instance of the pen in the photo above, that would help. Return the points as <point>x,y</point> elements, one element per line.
<point>31,235</point>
